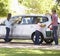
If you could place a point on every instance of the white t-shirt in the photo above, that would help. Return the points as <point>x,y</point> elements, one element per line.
<point>8,23</point>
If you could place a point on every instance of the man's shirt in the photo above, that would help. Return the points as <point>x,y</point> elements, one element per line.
<point>8,23</point>
<point>54,20</point>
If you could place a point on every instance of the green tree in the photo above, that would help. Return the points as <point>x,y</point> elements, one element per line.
<point>3,7</point>
<point>38,6</point>
<point>58,1</point>
<point>57,6</point>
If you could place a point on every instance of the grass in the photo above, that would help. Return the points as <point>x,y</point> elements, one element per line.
<point>28,52</point>
<point>59,40</point>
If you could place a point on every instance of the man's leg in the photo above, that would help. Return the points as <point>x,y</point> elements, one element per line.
<point>55,35</point>
<point>37,37</point>
<point>7,34</point>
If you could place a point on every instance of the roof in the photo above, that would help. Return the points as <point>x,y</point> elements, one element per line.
<point>33,15</point>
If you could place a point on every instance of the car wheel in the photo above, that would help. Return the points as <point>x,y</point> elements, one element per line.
<point>40,38</point>
<point>48,41</point>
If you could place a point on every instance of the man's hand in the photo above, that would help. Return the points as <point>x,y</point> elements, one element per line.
<point>14,22</point>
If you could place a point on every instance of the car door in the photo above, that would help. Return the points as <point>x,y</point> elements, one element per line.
<point>25,28</point>
<point>17,27</point>
<point>2,31</point>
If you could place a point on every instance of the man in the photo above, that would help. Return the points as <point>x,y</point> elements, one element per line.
<point>8,24</point>
<point>8,27</point>
<point>37,32</point>
<point>55,26</point>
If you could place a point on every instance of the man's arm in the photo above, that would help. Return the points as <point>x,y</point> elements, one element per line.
<point>50,24</point>
<point>14,22</point>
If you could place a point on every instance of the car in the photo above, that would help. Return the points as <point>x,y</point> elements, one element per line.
<point>25,28</point>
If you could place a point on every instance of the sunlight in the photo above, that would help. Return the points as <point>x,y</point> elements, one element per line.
<point>3,54</point>
<point>31,51</point>
<point>37,52</point>
<point>14,5</point>
<point>16,8</point>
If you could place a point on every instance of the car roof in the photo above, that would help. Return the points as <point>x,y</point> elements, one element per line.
<point>30,15</point>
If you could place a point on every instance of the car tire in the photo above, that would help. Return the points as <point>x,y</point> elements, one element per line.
<point>48,41</point>
<point>40,38</point>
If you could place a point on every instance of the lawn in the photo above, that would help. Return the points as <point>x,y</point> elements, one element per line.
<point>28,52</point>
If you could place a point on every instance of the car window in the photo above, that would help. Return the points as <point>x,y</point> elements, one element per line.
<point>26,20</point>
<point>32,19</point>
<point>19,20</point>
<point>44,19</point>
<point>41,19</point>
<point>16,20</point>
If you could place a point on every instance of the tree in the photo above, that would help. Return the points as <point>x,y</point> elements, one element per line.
<point>58,1</point>
<point>57,6</point>
<point>38,6</point>
<point>3,7</point>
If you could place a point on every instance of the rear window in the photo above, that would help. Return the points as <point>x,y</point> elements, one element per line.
<point>41,19</point>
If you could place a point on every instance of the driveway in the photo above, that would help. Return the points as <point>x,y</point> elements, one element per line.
<point>14,44</point>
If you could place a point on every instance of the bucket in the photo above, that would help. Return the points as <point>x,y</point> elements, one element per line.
<point>48,33</point>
